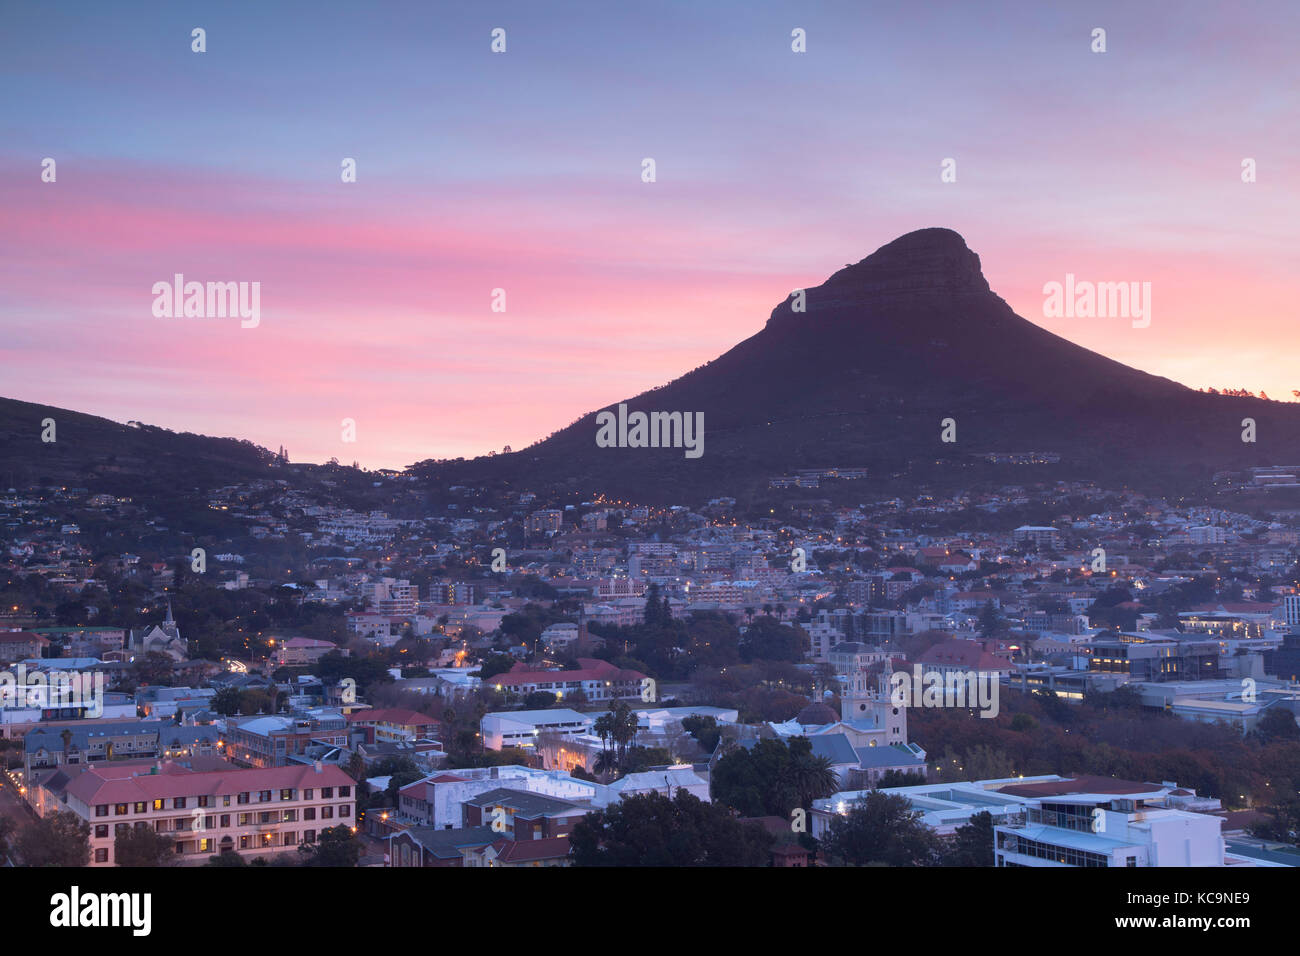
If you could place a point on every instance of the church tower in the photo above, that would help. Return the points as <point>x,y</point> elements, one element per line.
<point>869,706</point>
<point>856,704</point>
<point>892,717</point>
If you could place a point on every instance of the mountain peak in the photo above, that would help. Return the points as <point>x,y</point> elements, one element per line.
<point>935,261</point>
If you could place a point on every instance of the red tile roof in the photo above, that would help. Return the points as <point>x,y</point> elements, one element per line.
<point>392,715</point>
<point>967,654</point>
<point>526,851</point>
<point>22,637</point>
<point>591,669</point>
<point>106,784</point>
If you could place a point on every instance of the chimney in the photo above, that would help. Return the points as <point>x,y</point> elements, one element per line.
<point>318,767</point>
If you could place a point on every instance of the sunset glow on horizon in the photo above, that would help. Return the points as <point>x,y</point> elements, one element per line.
<point>479,171</point>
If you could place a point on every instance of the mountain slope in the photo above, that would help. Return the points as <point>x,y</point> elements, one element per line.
<point>105,456</point>
<point>886,349</point>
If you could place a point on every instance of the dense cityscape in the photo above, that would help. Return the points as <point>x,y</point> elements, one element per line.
<point>1088,676</point>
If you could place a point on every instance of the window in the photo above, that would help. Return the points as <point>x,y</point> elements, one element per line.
<point>1131,861</point>
<point>345,791</point>
<point>309,794</point>
<point>225,820</point>
<point>327,813</point>
<point>101,810</point>
<point>243,842</point>
<point>178,803</point>
<point>157,804</point>
<point>286,794</point>
<point>327,792</point>
<point>290,838</point>
<point>264,796</point>
<point>309,813</point>
<point>225,801</point>
<point>141,807</point>
<point>101,831</point>
<point>345,810</point>
<point>243,798</point>
<point>205,801</point>
<point>308,836</point>
<point>119,810</point>
<point>290,816</point>
<point>101,855</point>
<point>205,846</point>
<point>243,819</point>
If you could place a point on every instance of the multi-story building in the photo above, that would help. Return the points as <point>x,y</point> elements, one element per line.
<point>1150,659</point>
<point>521,728</point>
<point>598,681</point>
<point>261,812</point>
<point>1104,822</point>
<point>393,725</point>
<point>1041,537</point>
<point>89,741</point>
<point>547,521</point>
<point>1291,608</point>
<point>522,814</point>
<point>302,651</point>
<point>21,645</point>
<point>393,598</point>
<point>270,740</point>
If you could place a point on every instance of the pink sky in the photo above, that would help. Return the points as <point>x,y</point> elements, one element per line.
<point>522,171</point>
<point>377,308</point>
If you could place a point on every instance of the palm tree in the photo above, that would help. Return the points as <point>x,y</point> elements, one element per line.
<point>606,764</point>
<point>810,777</point>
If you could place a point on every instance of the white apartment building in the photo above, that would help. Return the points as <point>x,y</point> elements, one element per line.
<point>521,728</point>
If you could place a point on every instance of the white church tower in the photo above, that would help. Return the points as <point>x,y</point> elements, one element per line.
<point>870,710</point>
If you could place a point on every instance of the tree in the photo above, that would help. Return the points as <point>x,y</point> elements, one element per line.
<point>972,843</point>
<point>883,829</point>
<point>7,828</point>
<point>900,778</point>
<point>493,665</point>
<point>809,776</point>
<point>226,858</point>
<point>226,701</point>
<point>356,766</point>
<point>767,639</point>
<point>705,730</point>
<point>60,839</point>
<point>991,622</point>
<point>649,829</point>
<point>337,846</point>
<point>143,846</point>
<point>771,778</point>
<point>1277,724</point>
